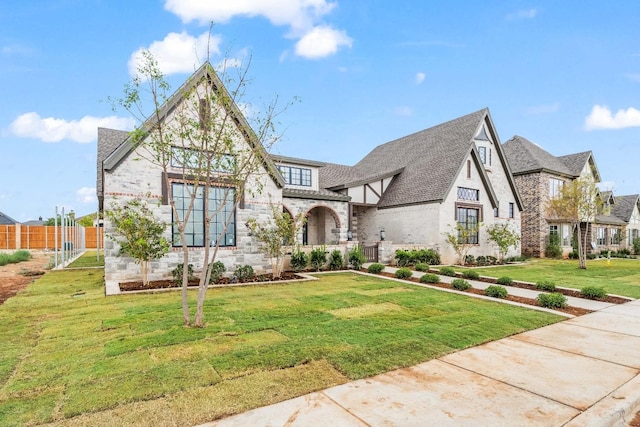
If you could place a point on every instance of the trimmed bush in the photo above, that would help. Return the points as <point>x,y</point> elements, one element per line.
<point>421,266</point>
<point>318,258</point>
<point>430,278</point>
<point>299,260</point>
<point>403,273</point>
<point>469,260</point>
<point>593,292</point>
<point>554,300</point>
<point>448,271</point>
<point>504,281</point>
<point>546,285</point>
<point>176,273</point>
<point>375,268</point>
<point>244,273</point>
<point>553,249</point>
<point>406,257</point>
<point>460,284</point>
<point>335,260</point>
<point>217,270</point>
<point>19,256</point>
<point>356,257</point>
<point>471,275</point>
<point>496,291</point>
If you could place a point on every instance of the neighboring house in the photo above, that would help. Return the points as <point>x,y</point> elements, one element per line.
<point>627,208</point>
<point>540,176</point>
<point>124,172</point>
<point>412,190</point>
<point>7,220</point>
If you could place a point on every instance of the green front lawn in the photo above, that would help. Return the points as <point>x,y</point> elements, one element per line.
<point>73,356</point>
<point>621,276</point>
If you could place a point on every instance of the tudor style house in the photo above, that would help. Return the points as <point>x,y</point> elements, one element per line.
<point>414,189</point>
<point>627,208</point>
<point>539,177</point>
<point>125,172</point>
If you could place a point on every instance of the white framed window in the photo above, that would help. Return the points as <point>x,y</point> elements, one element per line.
<point>601,236</point>
<point>566,240</point>
<point>465,193</point>
<point>555,185</point>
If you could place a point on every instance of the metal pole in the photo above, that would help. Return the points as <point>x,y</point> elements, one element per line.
<point>55,233</point>
<point>97,235</point>
<point>63,221</point>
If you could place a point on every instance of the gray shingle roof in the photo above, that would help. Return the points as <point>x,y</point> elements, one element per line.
<point>575,162</point>
<point>609,219</point>
<point>314,194</point>
<point>526,157</point>
<point>623,208</point>
<point>108,141</point>
<point>426,163</point>
<point>6,219</point>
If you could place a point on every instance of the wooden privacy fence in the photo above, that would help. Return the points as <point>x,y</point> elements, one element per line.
<point>44,237</point>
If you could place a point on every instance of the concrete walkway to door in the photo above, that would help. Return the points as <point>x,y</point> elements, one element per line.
<point>580,372</point>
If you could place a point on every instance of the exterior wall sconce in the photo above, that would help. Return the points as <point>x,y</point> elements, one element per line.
<point>349,235</point>
<point>382,234</point>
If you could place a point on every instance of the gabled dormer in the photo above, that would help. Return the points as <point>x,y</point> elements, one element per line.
<point>485,146</point>
<point>298,174</point>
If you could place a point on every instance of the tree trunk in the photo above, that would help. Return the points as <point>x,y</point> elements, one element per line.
<point>185,282</point>
<point>582,246</point>
<point>144,270</point>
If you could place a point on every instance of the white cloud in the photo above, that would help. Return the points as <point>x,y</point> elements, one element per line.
<point>543,109</point>
<point>16,49</point>
<point>322,41</point>
<point>420,77</point>
<point>602,118</point>
<point>303,17</point>
<point>177,53</point>
<point>86,195</point>
<point>403,111</point>
<point>50,129</point>
<point>522,14</point>
<point>300,15</point>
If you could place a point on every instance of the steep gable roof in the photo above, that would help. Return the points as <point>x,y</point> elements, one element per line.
<point>576,163</point>
<point>425,164</point>
<point>205,72</point>
<point>623,208</point>
<point>526,157</point>
<point>6,219</point>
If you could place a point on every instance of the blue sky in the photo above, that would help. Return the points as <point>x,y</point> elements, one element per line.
<point>565,75</point>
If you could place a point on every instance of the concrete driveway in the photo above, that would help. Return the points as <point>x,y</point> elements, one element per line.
<point>580,372</point>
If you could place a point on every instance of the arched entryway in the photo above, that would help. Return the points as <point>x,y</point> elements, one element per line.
<point>322,227</point>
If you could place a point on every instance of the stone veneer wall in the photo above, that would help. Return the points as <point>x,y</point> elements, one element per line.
<point>336,223</point>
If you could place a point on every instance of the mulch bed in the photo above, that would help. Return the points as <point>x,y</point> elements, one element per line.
<point>575,311</point>
<point>567,292</point>
<point>170,284</point>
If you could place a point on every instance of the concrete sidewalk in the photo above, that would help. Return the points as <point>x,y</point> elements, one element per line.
<point>580,372</point>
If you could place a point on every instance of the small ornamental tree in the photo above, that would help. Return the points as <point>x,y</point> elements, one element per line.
<point>503,237</point>
<point>138,233</point>
<point>461,239</point>
<point>578,203</point>
<point>275,236</point>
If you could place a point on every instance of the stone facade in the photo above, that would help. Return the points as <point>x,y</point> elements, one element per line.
<point>327,220</point>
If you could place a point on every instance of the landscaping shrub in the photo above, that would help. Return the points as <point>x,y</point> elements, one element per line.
<point>244,273</point>
<point>421,266</point>
<point>592,256</point>
<point>299,260</point>
<point>546,285</point>
<point>430,278</point>
<point>469,260</point>
<point>554,300</point>
<point>403,273</point>
<point>471,274</point>
<point>375,268</point>
<point>553,249</point>
<point>318,258</point>
<point>448,271</point>
<point>176,273</point>
<point>481,260</point>
<point>636,245</point>
<point>496,291</point>
<point>4,259</point>
<point>217,270</point>
<point>335,260</point>
<point>492,260</point>
<point>19,256</point>
<point>356,257</point>
<point>573,255</point>
<point>460,284</point>
<point>593,292</point>
<point>519,258</point>
<point>504,281</point>
<point>406,257</point>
